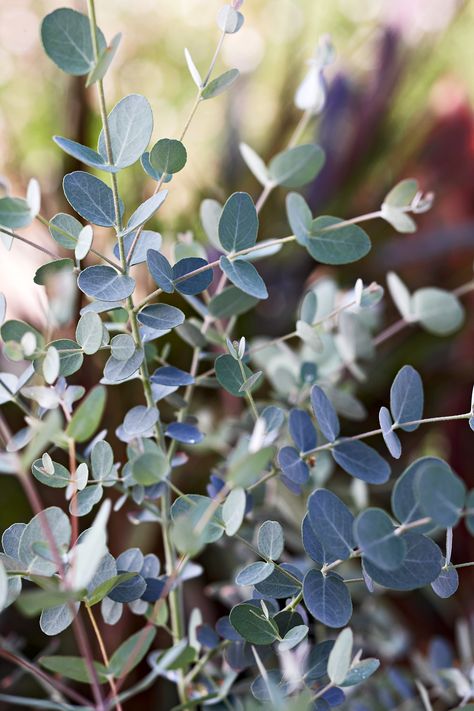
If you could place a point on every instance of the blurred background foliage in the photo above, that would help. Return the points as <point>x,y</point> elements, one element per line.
<point>399,105</point>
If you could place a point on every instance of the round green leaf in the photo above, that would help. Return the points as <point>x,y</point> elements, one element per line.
<point>337,245</point>
<point>66,37</point>
<point>297,166</point>
<point>374,534</point>
<point>439,311</point>
<point>251,623</point>
<point>168,156</point>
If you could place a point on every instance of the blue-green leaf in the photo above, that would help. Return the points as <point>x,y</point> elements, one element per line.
<point>327,598</point>
<point>406,398</point>
<point>82,153</point>
<point>374,533</point>
<point>145,211</point>
<point>148,239</point>
<point>238,224</point>
<point>338,245</point>
<point>245,277</point>
<point>66,37</point>
<point>130,127</point>
<point>161,317</point>
<point>219,84</point>
<point>325,414</point>
<point>168,156</point>
<point>421,565</point>
<point>447,582</point>
<point>361,461</point>
<point>299,217</point>
<point>302,430</point>
<point>117,370</point>
<point>65,230</point>
<point>297,166</point>
<point>106,57</point>
<point>14,213</point>
<point>194,284</point>
<point>332,523</point>
<point>251,622</point>
<point>254,573</point>
<point>405,504</point>
<point>390,437</point>
<point>440,493</point>
<point>90,197</point>
<point>229,374</point>
<point>105,283</point>
<point>270,540</point>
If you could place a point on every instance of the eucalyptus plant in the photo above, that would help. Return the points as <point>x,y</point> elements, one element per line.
<point>286,641</point>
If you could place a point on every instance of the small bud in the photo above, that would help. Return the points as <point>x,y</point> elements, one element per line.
<point>232,348</point>
<point>242,346</point>
<point>237,4</point>
<point>48,466</point>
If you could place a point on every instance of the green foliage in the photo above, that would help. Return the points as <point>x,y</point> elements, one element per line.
<point>271,456</point>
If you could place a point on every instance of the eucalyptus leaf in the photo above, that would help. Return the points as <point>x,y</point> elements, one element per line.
<point>219,84</point>
<point>330,244</point>
<point>250,622</point>
<point>66,37</point>
<point>238,224</point>
<point>91,198</point>
<point>296,166</point>
<point>245,277</point>
<point>439,311</point>
<point>270,540</point>
<point>339,660</point>
<point>327,598</point>
<point>168,156</point>
<point>88,415</point>
<point>375,535</point>
<point>130,126</point>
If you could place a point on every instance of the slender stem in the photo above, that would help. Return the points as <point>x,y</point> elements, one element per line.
<point>43,676</point>
<point>395,426</point>
<point>322,691</point>
<point>192,674</point>
<point>390,331</point>
<point>59,229</point>
<point>248,394</point>
<point>264,195</point>
<point>464,565</point>
<point>212,265</point>
<point>182,135</point>
<point>31,244</point>
<point>105,657</point>
<point>256,248</point>
<point>402,323</point>
<point>72,469</point>
<point>78,628</point>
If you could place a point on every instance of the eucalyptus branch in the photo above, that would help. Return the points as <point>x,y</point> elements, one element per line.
<point>57,228</point>
<point>379,431</point>
<point>105,657</point>
<point>255,248</point>
<point>39,247</point>
<point>47,680</point>
<point>183,133</point>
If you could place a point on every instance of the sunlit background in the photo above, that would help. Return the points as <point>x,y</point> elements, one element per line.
<point>399,105</point>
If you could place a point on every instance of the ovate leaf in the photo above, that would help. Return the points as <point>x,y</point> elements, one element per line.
<point>337,245</point>
<point>245,277</point>
<point>66,37</point>
<point>238,224</point>
<point>130,127</point>
<point>297,166</point>
<point>88,415</point>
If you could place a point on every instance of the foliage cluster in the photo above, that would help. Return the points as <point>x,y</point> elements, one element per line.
<point>277,646</point>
